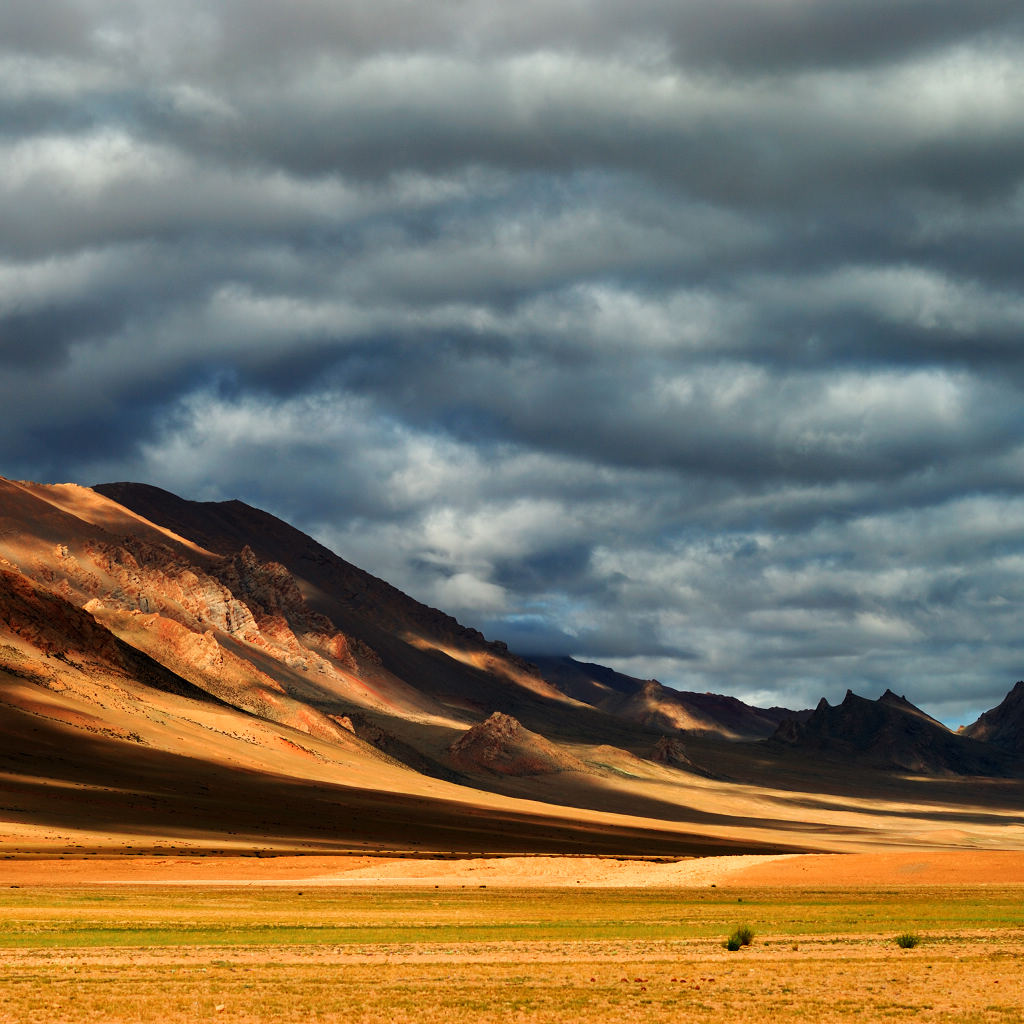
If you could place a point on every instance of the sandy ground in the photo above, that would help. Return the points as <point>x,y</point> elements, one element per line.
<point>900,868</point>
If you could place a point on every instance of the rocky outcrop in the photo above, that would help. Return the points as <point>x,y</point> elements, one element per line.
<point>285,617</point>
<point>670,750</point>
<point>152,578</point>
<point>258,604</point>
<point>51,626</point>
<point>502,746</point>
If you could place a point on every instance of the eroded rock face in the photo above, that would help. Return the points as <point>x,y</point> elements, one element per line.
<point>254,602</point>
<point>501,745</point>
<point>50,625</point>
<point>151,578</point>
<point>284,617</point>
<point>232,626</point>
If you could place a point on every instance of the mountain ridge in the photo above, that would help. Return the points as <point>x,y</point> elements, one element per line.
<point>889,732</point>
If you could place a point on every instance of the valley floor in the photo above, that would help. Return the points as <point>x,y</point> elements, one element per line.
<point>895,867</point>
<point>823,952</point>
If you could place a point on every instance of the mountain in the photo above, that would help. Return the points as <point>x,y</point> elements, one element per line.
<point>402,639</point>
<point>648,702</point>
<point>888,733</point>
<point>155,694</point>
<point>181,675</point>
<point>1003,726</point>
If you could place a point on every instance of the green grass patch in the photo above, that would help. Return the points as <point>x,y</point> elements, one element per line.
<point>163,916</point>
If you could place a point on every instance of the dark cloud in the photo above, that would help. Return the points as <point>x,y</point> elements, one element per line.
<point>684,337</point>
<point>845,34</point>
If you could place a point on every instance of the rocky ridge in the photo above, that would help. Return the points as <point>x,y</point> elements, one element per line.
<point>890,733</point>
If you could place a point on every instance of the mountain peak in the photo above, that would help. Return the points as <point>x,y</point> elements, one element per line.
<point>889,733</point>
<point>1003,726</point>
<point>889,697</point>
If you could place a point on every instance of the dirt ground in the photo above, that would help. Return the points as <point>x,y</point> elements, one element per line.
<point>896,867</point>
<point>617,959</point>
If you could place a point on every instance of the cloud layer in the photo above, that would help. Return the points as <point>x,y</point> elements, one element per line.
<point>684,337</point>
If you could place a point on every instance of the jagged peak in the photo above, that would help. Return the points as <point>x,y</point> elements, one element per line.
<point>894,698</point>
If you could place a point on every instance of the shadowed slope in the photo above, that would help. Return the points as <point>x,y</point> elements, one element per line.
<point>648,702</point>
<point>889,733</point>
<point>157,799</point>
<point>1003,726</point>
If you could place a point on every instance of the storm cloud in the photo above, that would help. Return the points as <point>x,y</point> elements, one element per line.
<point>682,337</point>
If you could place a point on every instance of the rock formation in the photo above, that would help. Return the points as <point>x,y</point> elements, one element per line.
<point>502,746</point>
<point>888,733</point>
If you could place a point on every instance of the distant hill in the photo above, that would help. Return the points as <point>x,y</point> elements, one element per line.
<point>1003,726</point>
<point>889,733</point>
<point>502,746</point>
<point>649,703</point>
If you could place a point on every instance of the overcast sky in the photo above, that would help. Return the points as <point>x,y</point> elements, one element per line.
<point>687,337</point>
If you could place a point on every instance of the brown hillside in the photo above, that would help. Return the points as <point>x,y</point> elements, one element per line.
<point>649,703</point>
<point>501,745</point>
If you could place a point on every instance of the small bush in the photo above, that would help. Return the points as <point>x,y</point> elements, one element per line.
<point>908,940</point>
<point>743,936</point>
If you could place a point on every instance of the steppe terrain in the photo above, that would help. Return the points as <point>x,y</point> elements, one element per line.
<point>484,940</point>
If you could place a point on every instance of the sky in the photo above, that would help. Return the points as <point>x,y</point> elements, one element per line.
<point>684,337</point>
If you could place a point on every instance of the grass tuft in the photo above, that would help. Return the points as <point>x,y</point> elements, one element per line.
<point>908,940</point>
<point>742,936</point>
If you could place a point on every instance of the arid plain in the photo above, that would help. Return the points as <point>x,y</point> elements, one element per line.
<point>548,939</point>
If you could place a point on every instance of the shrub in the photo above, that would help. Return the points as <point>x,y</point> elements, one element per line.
<point>742,936</point>
<point>908,940</point>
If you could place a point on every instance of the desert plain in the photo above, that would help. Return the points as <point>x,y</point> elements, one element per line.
<point>395,938</point>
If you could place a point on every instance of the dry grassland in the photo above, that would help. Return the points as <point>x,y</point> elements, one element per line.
<point>461,956</point>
